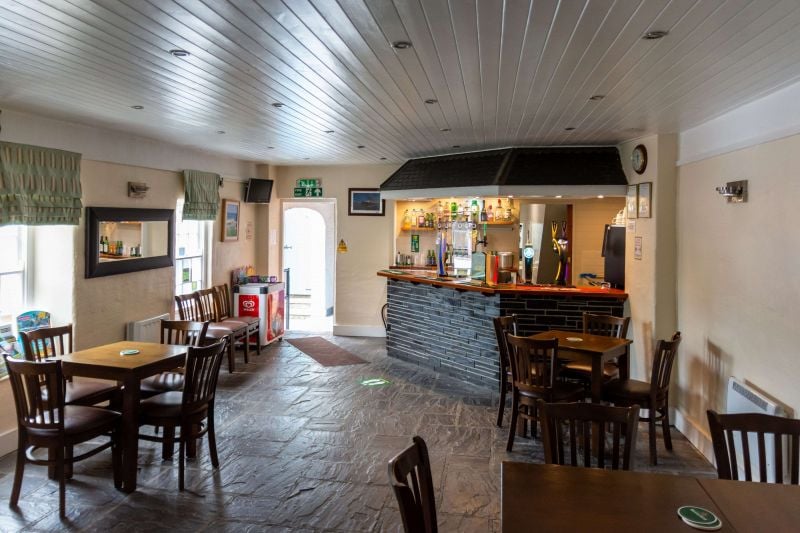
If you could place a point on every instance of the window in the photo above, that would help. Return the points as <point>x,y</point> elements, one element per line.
<point>191,253</point>
<point>13,255</point>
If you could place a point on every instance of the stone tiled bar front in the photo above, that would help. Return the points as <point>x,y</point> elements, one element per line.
<point>447,326</point>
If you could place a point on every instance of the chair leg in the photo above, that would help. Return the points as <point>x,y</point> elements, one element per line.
<point>68,462</point>
<point>501,409</point>
<point>51,468</point>
<point>168,443</point>
<point>116,458</point>
<point>181,452</point>
<point>534,419</point>
<point>258,340</point>
<point>62,483</point>
<point>212,438</point>
<point>652,429</point>
<point>19,470</point>
<point>512,428</point>
<point>246,347</point>
<point>665,429</point>
<point>231,361</point>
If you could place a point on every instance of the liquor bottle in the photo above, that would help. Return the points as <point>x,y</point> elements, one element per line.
<point>421,219</point>
<point>484,214</point>
<point>439,211</point>
<point>474,211</point>
<point>500,213</point>
<point>453,210</point>
<point>406,221</point>
<point>413,218</point>
<point>490,214</point>
<point>509,209</point>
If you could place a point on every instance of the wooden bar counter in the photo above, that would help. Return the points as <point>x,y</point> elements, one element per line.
<point>446,324</point>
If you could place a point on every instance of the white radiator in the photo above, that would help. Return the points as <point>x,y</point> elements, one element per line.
<point>147,330</point>
<point>743,399</point>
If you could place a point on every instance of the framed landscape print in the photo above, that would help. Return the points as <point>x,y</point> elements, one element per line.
<point>644,200</point>
<point>365,202</point>
<point>631,202</point>
<point>230,220</point>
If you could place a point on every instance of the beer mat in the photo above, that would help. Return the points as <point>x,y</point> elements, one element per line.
<point>324,352</point>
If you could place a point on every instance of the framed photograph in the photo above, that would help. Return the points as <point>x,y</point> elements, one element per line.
<point>230,220</point>
<point>365,202</point>
<point>644,200</point>
<point>631,202</point>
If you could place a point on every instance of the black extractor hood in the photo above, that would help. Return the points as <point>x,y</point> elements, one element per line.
<point>569,171</point>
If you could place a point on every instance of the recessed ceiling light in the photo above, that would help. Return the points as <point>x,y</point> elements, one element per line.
<point>600,196</point>
<point>306,158</point>
<point>597,97</point>
<point>328,131</point>
<point>360,146</point>
<point>431,101</point>
<point>401,45</point>
<point>559,196</point>
<point>277,104</point>
<point>569,128</point>
<point>456,146</point>
<point>137,107</point>
<point>179,52</point>
<point>270,147</point>
<point>221,132</point>
<point>655,34</point>
<point>383,159</point>
<point>445,129</point>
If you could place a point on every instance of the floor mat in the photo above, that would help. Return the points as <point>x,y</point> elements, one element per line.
<point>324,352</point>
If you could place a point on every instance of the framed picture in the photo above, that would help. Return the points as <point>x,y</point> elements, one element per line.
<point>365,202</point>
<point>230,220</point>
<point>631,202</point>
<point>644,200</point>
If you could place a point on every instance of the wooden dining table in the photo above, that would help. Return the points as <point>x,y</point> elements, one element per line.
<point>598,348</point>
<point>543,498</point>
<point>107,362</point>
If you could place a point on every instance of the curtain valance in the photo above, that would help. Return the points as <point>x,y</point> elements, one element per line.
<point>39,186</point>
<point>202,195</point>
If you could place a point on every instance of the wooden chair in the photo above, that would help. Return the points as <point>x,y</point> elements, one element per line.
<point>45,421</point>
<point>188,409</point>
<point>189,309</point>
<point>411,480</point>
<point>595,324</point>
<point>587,425</point>
<point>754,427</point>
<point>45,343</point>
<point>533,373</point>
<point>210,309</point>
<point>183,332</point>
<point>225,304</point>
<point>502,326</point>
<point>653,396</point>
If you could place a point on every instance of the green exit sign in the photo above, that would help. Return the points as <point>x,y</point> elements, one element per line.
<point>308,192</point>
<point>309,183</point>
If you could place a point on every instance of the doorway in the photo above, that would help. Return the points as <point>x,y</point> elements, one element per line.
<point>308,252</point>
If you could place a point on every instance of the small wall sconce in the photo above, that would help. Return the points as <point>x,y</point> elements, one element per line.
<point>734,191</point>
<point>137,189</point>
<point>342,248</point>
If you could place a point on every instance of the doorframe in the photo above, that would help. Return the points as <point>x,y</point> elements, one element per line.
<point>309,203</point>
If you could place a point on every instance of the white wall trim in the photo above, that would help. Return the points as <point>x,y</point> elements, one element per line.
<point>695,434</point>
<point>769,118</point>
<point>359,331</point>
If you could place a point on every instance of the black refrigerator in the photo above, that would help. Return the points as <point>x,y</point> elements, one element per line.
<point>614,255</point>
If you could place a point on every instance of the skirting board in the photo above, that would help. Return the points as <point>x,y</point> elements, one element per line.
<point>359,331</point>
<point>696,435</point>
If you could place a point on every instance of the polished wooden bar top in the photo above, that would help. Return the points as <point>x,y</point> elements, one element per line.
<point>546,498</point>
<point>429,278</point>
<point>583,342</point>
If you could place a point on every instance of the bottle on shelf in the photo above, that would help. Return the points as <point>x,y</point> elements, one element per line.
<point>474,211</point>
<point>406,221</point>
<point>510,209</point>
<point>453,210</point>
<point>484,214</point>
<point>500,213</point>
<point>421,219</point>
<point>490,214</point>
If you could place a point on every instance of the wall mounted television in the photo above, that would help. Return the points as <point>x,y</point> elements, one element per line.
<point>258,191</point>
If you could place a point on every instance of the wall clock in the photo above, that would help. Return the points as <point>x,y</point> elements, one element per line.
<point>639,159</point>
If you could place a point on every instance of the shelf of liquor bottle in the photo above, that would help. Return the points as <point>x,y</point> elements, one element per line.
<point>113,256</point>
<point>504,223</point>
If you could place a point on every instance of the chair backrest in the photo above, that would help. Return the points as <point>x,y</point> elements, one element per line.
<point>38,389</point>
<point>200,376</point>
<point>662,365</point>
<point>606,325</point>
<point>186,332</point>
<point>586,426</point>
<point>410,477</point>
<point>504,325</point>
<point>756,427</point>
<point>224,304</point>
<point>42,343</point>
<point>207,302</point>
<point>189,307</point>
<point>533,363</point>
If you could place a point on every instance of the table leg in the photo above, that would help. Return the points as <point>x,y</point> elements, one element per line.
<point>624,363</point>
<point>130,434</point>
<point>597,379</point>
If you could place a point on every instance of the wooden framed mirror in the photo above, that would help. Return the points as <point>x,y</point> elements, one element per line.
<point>120,240</point>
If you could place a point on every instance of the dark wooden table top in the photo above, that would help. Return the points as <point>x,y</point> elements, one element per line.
<point>546,498</point>
<point>588,343</point>
<point>752,506</point>
<point>108,357</point>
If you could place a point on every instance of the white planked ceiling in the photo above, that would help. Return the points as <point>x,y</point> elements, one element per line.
<point>513,72</point>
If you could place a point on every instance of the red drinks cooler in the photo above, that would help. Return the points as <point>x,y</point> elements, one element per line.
<point>265,301</point>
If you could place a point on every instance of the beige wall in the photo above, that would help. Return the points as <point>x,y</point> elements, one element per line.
<point>589,217</point>
<point>738,285</point>
<point>359,292</point>
<point>228,255</point>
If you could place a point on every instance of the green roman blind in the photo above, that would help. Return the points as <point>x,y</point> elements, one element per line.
<point>201,199</point>
<point>39,186</point>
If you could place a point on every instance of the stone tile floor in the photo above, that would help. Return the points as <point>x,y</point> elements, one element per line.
<point>305,448</point>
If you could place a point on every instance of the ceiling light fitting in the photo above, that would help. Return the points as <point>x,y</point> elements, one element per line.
<point>401,45</point>
<point>655,34</point>
<point>137,107</point>
<point>431,101</point>
<point>221,132</point>
<point>735,192</point>
<point>445,129</point>
<point>360,146</point>
<point>597,97</point>
<point>179,52</point>
<point>569,128</point>
<point>277,104</point>
<point>270,147</point>
<point>328,131</point>
<point>383,159</point>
